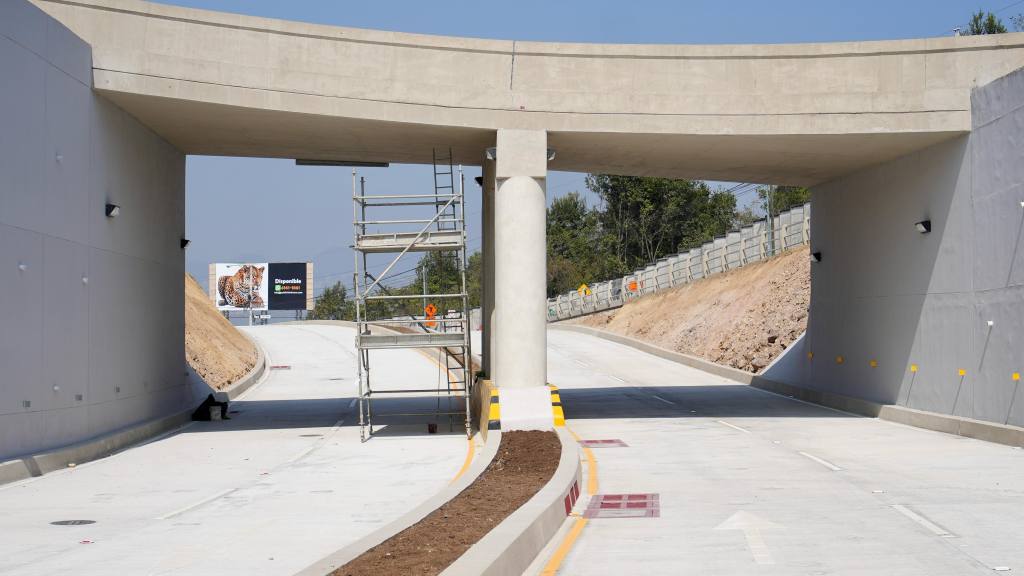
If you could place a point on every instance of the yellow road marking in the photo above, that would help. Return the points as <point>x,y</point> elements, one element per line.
<point>591,465</point>
<point>551,568</point>
<point>563,549</point>
<point>469,459</point>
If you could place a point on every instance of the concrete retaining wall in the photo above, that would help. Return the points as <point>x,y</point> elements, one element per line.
<point>92,307</point>
<point>771,381</point>
<point>900,317</point>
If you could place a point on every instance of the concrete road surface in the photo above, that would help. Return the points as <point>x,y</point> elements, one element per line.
<point>281,485</point>
<point>754,483</point>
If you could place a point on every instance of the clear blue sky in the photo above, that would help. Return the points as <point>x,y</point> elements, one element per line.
<point>275,195</point>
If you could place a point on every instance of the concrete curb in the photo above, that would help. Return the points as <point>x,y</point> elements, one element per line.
<point>254,375</point>
<point>729,372</point>
<point>348,553</point>
<point>511,546</point>
<point>957,425</point>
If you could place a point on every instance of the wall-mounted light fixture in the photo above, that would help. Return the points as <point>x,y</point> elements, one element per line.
<point>815,256</point>
<point>491,153</point>
<point>112,210</point>
<point>479,181</point>
<point>185,242</point>
<point>924,226</point>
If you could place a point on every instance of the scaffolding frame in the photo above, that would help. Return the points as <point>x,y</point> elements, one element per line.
<point>445,233</point>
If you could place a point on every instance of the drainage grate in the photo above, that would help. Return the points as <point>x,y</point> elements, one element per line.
<point>311,435</point>
<point>72,522</point>
<point>280,367</point>
<point>615,443</point>
<point>623,506</point>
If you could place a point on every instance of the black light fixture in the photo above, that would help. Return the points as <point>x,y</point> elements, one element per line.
<point>351,163</point>
<point>815,256</point>
<point>924,226</point>
<point>184,243</point>
<point>479,181</point>
<point>112,210</point>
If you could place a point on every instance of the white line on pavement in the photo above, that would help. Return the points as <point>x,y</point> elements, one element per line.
<point>933,528</point>
<point>179,511</point>
<point>824,463</point>
<point>656,397</point>
<point>581,363</point>
<point>352,403</point>
<point>617,378</point>
<point>733,426</point>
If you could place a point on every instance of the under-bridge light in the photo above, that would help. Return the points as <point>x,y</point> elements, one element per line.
<point>815,256</point>
<point>924,226</point>
<point>112,210</point>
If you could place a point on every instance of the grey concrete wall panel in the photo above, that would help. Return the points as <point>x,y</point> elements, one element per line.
<point>887,293</point>
<point>93,321</point>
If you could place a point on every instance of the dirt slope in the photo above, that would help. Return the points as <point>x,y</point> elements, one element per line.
<point>213,347</point>
<point>743,318</point>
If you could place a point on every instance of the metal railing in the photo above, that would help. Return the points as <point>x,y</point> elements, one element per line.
<point>734,250</point>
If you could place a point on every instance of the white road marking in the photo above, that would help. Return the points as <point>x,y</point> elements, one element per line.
<point>352,403</point>
<point>656,397</point>
<point>617,378</point>
<point>581,363</point>
<point>932,527</point>
<point>751,526</point>
<point>824,463</point>
<point>180,511</point>
<point>733,426</point>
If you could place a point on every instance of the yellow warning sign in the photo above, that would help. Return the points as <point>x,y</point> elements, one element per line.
<point>583,290</point>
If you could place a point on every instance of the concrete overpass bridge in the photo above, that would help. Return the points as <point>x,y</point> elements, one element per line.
<point>886,134</point>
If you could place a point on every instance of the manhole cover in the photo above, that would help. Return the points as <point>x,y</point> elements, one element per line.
<point>604,443</point>
<point>623,506</point>
<point>72,522</point>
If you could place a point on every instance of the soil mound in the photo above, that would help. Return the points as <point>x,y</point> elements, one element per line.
<point>214,348</point>
<point>524,463</point>
<point>743,318</point>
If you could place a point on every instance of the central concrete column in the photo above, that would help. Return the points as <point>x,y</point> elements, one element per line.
<point>487,298</point>
<point>519,361</point>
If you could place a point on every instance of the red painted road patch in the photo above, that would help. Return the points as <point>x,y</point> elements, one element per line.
<point>614,443</point>
<point>623,506</point>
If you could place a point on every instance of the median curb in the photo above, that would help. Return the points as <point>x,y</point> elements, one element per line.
<point>255,374</point>
<point>511,546</point>
<point>348,553</point>
<point>956,425</point>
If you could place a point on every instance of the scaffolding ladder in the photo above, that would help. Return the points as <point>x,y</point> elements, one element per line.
<point>441,231</point>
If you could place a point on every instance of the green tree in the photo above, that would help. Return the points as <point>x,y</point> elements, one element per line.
<point>778,199</point>
<point>575,248</point>
<point>984,23</point>
<point>647,218</point>
<point>333,304</point>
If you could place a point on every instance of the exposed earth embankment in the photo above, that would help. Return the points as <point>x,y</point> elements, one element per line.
<point>214,348</point>
<point>743,318</point>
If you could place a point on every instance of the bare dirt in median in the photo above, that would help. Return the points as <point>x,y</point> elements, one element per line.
<point>214,348</point>
<point>524,463</point>
<point>743,318</point>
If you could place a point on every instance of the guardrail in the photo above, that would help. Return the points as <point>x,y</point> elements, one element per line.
<point>734,250</point>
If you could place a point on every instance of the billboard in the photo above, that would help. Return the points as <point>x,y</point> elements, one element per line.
<point>287,282</point>
<point>272,286</point>
<point>240,286</point>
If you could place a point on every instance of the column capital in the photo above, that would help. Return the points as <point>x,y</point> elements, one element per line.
<point>522,153</point>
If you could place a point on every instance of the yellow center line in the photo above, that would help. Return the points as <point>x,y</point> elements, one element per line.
<point>553,565</point>
<point>465,464</point>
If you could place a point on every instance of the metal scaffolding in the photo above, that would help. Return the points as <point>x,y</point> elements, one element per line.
<point>440,232</point>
